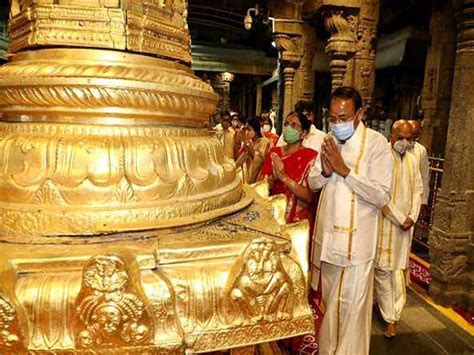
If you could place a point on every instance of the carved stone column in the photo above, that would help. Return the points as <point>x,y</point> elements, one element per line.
<point>438,81</point>
<point>258,97</point>
<point>288,77</point>
<point>451,246</point>
<point>287,32</point>
<point>341,46</point>
<point>352,28</point>
<point>303,88</point>
<point>289,45</point>
<point>221,84</point>
<point>364,60</point>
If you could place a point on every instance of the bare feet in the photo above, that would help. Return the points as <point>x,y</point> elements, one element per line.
<point>390,331</point>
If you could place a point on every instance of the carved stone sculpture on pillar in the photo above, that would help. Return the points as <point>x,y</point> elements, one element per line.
<point>289,46</point>
<point>303,87</point>
<point>341,45</point>
<point>221,85</point>
<point>352,27</point>
<point>451,247</point>
<point>364,59</point>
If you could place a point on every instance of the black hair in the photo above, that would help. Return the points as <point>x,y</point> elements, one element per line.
<point>240,117</point>
<point>347,93</point>
<point>226,114</point>
<point>255,124</point>
<point>304,121</point>
<point>302,106</point>
<point>269,120</point>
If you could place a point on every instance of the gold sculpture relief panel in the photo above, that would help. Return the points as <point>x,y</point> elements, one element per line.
<point>141,26</point>
<point>11,340</point>
<point>253,297</point>
<point>109,313</point>
<point>57,25</point>
<point>262,290</point>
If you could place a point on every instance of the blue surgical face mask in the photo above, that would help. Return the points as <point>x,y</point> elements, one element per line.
<point>342,131</point>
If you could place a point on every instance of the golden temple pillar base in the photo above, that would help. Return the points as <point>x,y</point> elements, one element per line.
<point>229,283</point>
<point>123,228</point>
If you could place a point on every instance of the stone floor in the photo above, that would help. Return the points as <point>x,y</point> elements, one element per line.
<point>423,330</point>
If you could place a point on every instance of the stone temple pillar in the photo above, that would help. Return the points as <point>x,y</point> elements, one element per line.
<point>451,246</point>
<point>364,60</point>
<point>341,45</point>
<point>288,77</point>
<point>303,87</point>
<point>438,80</point>
<point>352,28</point>
<point>288,42</point>
<point>258,97</point>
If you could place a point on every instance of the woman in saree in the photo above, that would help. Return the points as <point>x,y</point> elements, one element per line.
<point>287,168</point>
<point>253,151</point>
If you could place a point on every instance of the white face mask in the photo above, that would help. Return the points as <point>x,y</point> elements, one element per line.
<point>266,128</point>
<point>401,146</point>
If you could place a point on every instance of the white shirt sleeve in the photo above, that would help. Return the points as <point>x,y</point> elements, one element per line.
<point>425,174</point>
<point>418,194</point>
<point>392,212</point>
<point>377,186</point>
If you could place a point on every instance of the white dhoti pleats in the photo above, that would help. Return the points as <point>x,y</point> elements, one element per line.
<point>347,295</point>
<point>390,291</point>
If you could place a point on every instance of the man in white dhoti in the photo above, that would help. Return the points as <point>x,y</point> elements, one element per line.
<point>421,155</point>
<point>355,173</point>
<point>395,231</point>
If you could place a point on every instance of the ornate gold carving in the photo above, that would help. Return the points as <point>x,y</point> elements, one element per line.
<point>108,315</point>
<point>227,338</point>
<point>85,83</point>
<point>145,175</point>
<point>153,29</point>
<point>105,150</point>
<point>262,288</point>
<point>10,339</point>
<point>147,26</point>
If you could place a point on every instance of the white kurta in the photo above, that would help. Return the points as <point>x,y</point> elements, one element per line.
<point>345,240</point>
<point>421,156</point>
<point>313,139</point>
<point>346,221</point>
<point>393,245</point>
